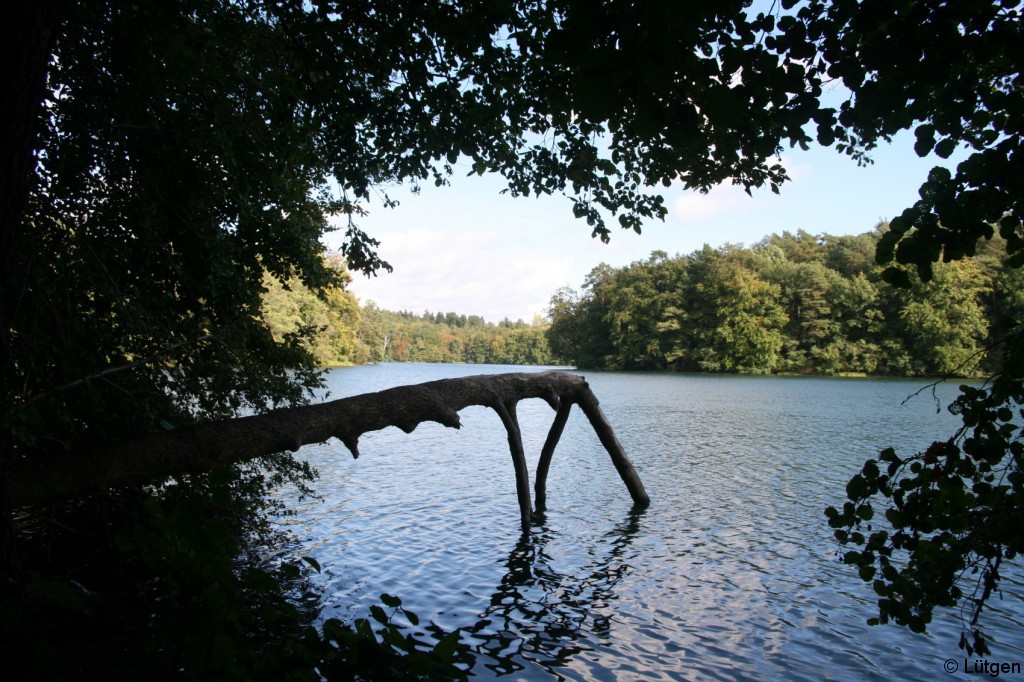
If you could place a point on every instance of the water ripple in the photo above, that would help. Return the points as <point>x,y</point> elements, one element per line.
<point>731,574</point>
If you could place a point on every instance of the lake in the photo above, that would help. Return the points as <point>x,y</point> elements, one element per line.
<point>731,574</point>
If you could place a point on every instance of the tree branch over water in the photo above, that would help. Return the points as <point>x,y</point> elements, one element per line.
<point>203,447</point>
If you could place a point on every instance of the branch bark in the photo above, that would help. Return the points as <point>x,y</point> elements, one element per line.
<point>202,447</point>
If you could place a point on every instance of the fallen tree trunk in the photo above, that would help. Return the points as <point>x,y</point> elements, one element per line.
<point>202,447</point>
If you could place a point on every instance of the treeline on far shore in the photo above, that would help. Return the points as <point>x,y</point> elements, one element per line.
<point>449,337</point>
<point>337,330</point>
<point>791,303</point>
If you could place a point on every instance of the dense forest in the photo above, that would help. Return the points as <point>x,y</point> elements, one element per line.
<point>336,330</point>
<point>791,303</point>
<point>798,303</point>
<point>449,337</point>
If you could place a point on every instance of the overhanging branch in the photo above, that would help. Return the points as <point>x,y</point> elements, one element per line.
<point>203,447</point>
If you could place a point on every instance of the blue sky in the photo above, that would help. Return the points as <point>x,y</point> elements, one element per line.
<point>468,249</point>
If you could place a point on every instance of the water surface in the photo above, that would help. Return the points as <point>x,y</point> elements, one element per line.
<point>731,574</point>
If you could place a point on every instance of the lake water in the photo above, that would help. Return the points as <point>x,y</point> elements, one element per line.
<point>731,574</point>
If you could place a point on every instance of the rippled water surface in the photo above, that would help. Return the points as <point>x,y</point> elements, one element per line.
<point>732,573</point>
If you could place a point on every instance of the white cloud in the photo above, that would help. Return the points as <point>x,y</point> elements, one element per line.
<point>471,250</point>
<point>472,272</point>
<point>796,171</point>
<point>693,206</point>
<point>728,199</point>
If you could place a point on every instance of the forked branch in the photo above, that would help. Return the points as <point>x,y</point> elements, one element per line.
<point>202,447</point>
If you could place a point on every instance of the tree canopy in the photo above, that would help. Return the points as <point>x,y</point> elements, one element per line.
<point>183,150</point>
<point>794,303</point>
<point>161,157</point>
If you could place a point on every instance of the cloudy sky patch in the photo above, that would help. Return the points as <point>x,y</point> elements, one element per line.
<point>471,250</point>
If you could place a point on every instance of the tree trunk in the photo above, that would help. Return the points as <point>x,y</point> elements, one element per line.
<point>202,447</point>
<point>27,35</point>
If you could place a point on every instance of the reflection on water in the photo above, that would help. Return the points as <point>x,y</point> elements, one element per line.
<point>540,615</point>
<point>731,574</point>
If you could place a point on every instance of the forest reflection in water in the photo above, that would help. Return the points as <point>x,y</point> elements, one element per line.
<point>731,574</point>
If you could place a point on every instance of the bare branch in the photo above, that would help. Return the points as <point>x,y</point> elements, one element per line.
<point>202,447</point>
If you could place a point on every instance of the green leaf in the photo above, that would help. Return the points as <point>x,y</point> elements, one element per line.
<point>925,135</point>
<point>334,630</point>
<point>123,542</point>
<point>897,277</point>
<point>393,637</point>
<point>60,592</point>
<point>447,645</point>
<point>390,601</point>
<point>857,488</point>
<point>261,581</point>
<point>877,540</point>
<point>946,147</point>
<point>221,476</point>
<point>364,629</point>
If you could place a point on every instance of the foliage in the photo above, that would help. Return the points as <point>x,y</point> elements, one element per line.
<point>193,598</point>
<point>386,336</point>
<point>951,73</point>
<point>780,307</point>
<point>188,147</point>
<point>954,514</point>
<point>152,584</point>
<point>325,322</point>
<point>578,333</point>
<point>355,653</point>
